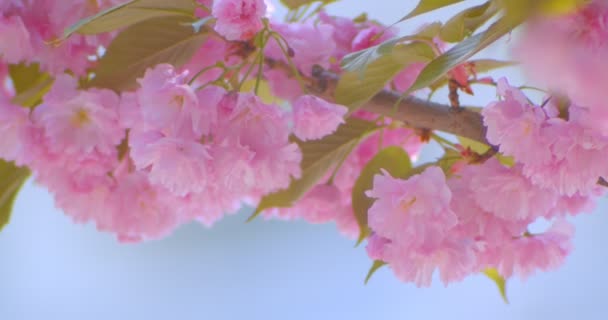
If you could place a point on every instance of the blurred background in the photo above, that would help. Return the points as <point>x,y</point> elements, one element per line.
<point>51,268</point>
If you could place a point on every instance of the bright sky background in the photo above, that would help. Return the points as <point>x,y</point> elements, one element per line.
<point>51,268</point>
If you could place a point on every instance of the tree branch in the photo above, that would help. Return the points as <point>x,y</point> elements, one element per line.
<point>413,111</point>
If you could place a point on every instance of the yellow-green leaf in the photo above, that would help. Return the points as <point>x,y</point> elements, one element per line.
<point>294,4</point>
<point>30,84</point>
<point>499,280</point>
<point>463,51</point>
<point>425,6</point>
<point>129,13</point>
<point>395,161</point>
<point>356,88</point>
<point>159,40</point>
<point>318,157</point>
<point>467,21</point>
<point>11,179</point>
<point>377,265</point>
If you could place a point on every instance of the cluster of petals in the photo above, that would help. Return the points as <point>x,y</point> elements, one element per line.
<point>32,31</point>
<point>141,164</point>
<point>568,52</point>
<point>238,19</point>
<point>564,155</point>
<point>476,219</point>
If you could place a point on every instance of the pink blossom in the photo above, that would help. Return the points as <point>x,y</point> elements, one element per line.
<point>78,121</point>
<point>137,210</point>
<point>414,211</point>
<point>320,204</point>
<point>238,19</point>
<point>577,159</point>
<point>375,247</point>
<point>311,44</point>
<point>177,164</point>
<point>516,126</point>
<point>519,199</point>
<point>568,52</point>
<point>526,254</point>
<point>14,121</point>
<point>15,45</point>
<point>167,103</point>
<point>315,118</point>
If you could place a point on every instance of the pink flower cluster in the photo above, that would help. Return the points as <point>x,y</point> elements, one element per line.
<point>30,30</point>
<point>460,227</point>
<point>141,164</point>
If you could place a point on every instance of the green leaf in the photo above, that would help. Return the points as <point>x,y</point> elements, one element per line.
<point>30,84</point>
<point>356,88</point>
<point>395,161</point>
<point>294,4</point>
<point>377,265</point>
<point>467,21</point>
<point>463,51</point>
<point>500,281</point>
<point>11,179</point>
<point>159,40</point>
<point>318,156</point>
<point>475,146</point>
<point>129,13</point>
<point>425,6</point>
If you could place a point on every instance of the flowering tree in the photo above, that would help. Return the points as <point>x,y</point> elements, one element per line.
<point>139,116</point>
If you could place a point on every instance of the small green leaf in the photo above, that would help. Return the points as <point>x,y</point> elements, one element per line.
<point>159,40</point>
<point>395,161</point>
<point>356,88</point>
<point>129,13</point>
<point>30,84</point>
<point>318,156</point>
<point>463,51</point>
<point>500,281</point>
<point>11,179</point>
<point>425,6</point>
<point>467,21</point>
<point>475,146</point>
<point>294,4</point>
<point>377,265</point>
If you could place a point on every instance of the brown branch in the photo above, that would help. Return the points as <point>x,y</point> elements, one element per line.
<point>412,111</point>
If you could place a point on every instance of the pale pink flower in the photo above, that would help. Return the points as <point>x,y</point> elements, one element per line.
<point>282,85</point>
<point>320,204</point>
<point>414,211</point>
<point>527,254</point>
<point>167,103</point>
<point>347,30</point>
<point>311,44</point>
<point>507,193</point>
<point>238,19</point>
<point>315,118</point>
<point>454,260</point>
<point>15,46</point>
<point>138,211</point>
<point>568,53</point>
<point>79,122</point>
<point>578,159</point>
<point>375,247</point>
<point>370,36</point>
<point>515,125</point>
<point>14,121</point>
<point>177,164</point>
